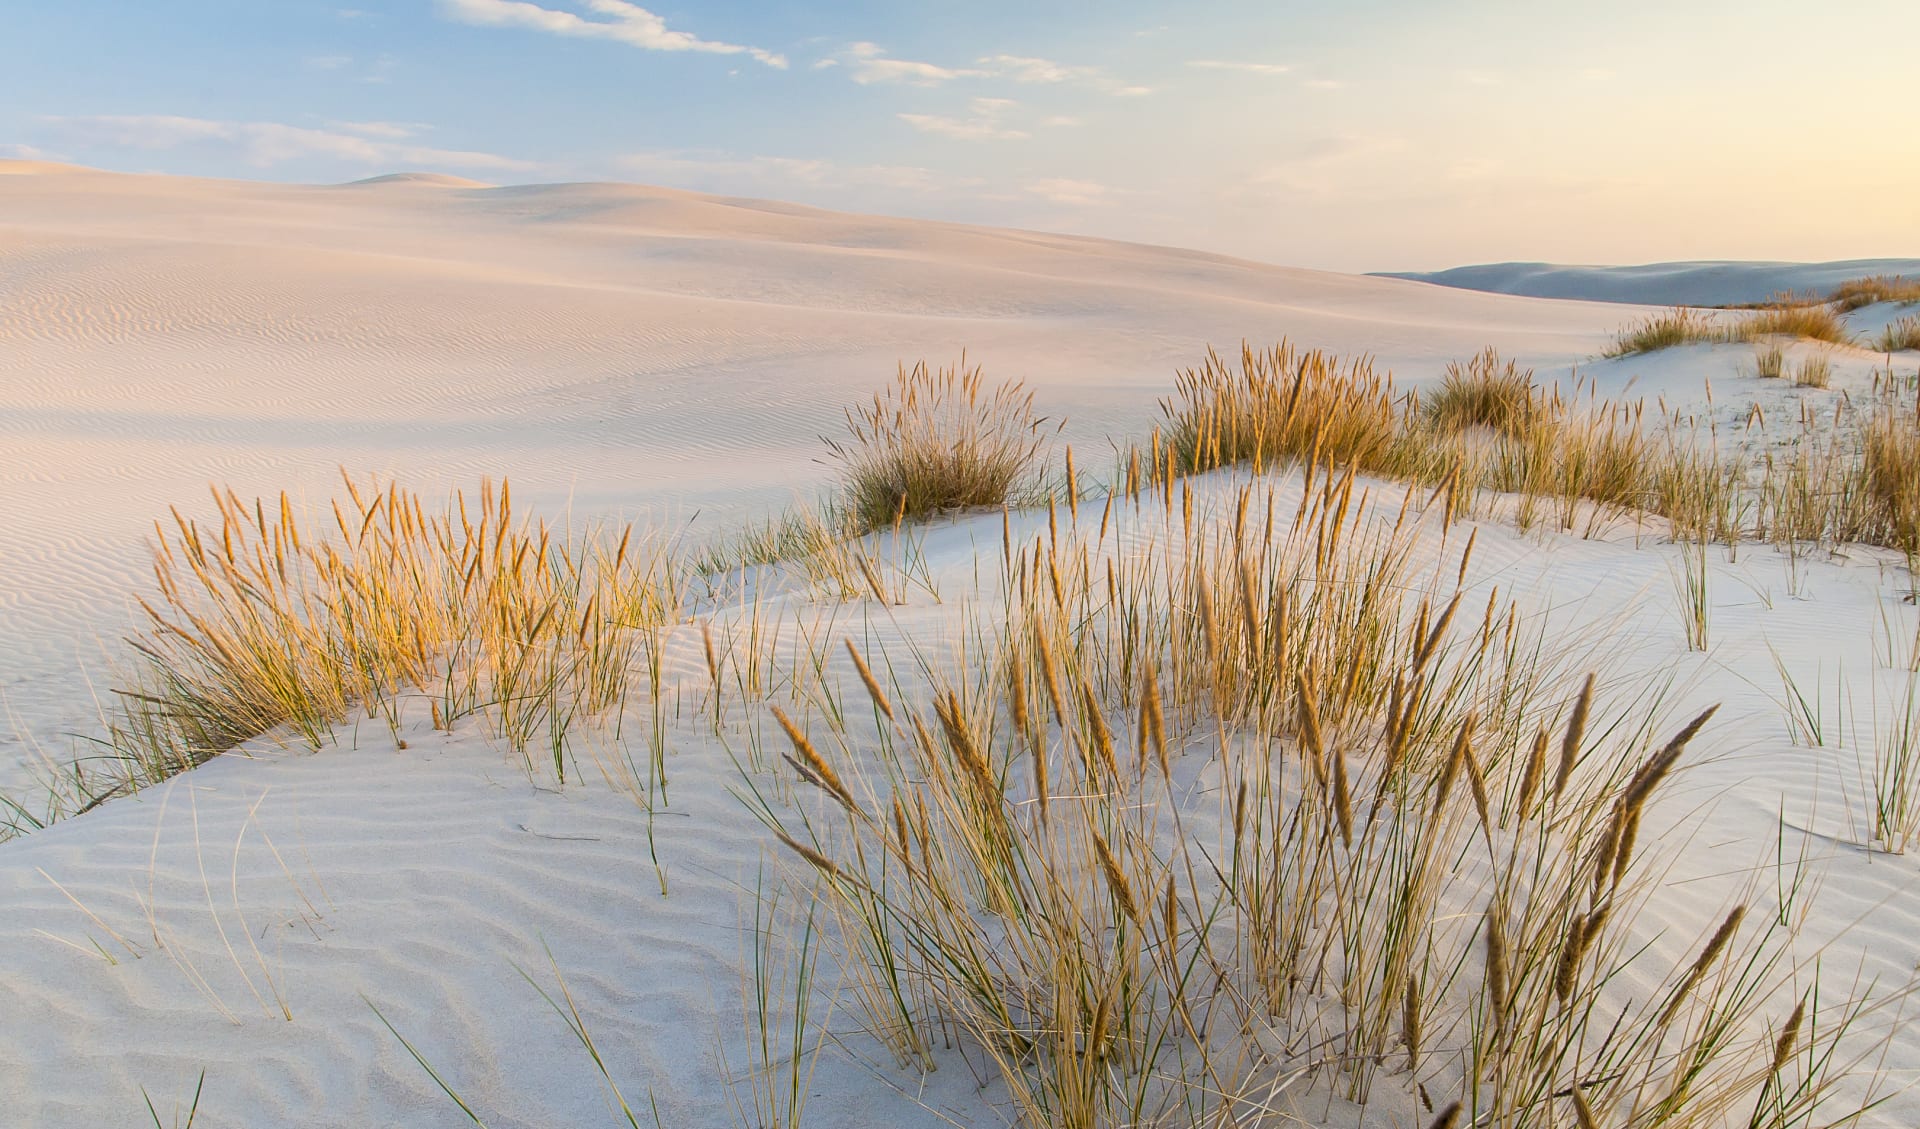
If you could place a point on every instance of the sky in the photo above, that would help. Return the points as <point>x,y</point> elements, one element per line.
<point>1342,134</point>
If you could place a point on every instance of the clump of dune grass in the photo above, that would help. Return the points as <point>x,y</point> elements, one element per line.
<point>1874,289</point>
<point>1482,393</point>
<point>1899,336</point>
<point>937,441</point>
<point>261,623</point>
<point>1279,405</point>
<point>1678,326</point>
<point>1814,371</point>
<point>1770,362</point>
<point>1686,326</point>
<point>1807,323</point>
<point>1421,862</point>
<point>1889,475</point>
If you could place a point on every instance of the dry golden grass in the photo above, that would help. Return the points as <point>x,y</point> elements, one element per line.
<point>262,624</point>
<point>1398,881</point>
<point>1481,393</point>
<point>1805,323</point>
<point>1814,371</point>
<point>937,441</point>
<point>1859,292</point>
<point>1678,326</point>
<point>1770,362</point>
<point>1686,326</point>
<point>1899,336</point>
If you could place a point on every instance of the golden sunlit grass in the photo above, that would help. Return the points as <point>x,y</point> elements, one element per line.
<point>1483,394</point>
<point>263,624</point>
<point>1814,371</point>
<point>1570,463</point>
<point>1256,803</point>
<point>1857,293</point>
<point>1804,323</point>
<point>937,441</point>
<point>1678,326</point>
<point>1685,326</point>
<point>1899,336</point>
<point>1804,319</point>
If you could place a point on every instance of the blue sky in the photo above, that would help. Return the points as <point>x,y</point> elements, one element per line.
<point>1364,135</point>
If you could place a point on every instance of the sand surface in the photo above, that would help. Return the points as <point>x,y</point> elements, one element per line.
<point>652,355</point>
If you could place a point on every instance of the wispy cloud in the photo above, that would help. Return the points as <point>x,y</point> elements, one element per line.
<point>385,131</point>
<point>622,23</point>
<point>1244,67</point>
<point>964,129</point>
<point>985,124</point>
<point>270,143</point>
<point>868,63</point>
<point>24,153</point>
<point>1023,68</point>
<point>1079,193</point>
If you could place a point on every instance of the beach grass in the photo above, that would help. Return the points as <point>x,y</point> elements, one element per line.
<point>1421,864</point>
<point>1899,336</point>
<point>937,441</point>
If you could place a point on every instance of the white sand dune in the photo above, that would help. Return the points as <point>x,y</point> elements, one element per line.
<point>631,352</point>
<point>1705,283</point>
<point>613,348</point>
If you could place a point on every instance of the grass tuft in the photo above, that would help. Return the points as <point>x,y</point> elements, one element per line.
<point>1814,371</point>
<point>1483,394</point>
<point>1678,326</point>
<point>1899,336</point>
<point>1874,289</point>
<point>937,441</point>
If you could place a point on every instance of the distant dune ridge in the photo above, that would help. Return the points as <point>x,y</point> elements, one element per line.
<point>1706,283</point>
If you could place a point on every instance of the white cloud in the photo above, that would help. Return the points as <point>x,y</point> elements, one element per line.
<point>624,23</point>
<point>1021,68</point>
<point>1233,65</point>
<point>269,143</point>
<point>984,125</point>
<point>24,153</point>
<point>868,63</point>
<point>1080,193</point>
<point>964,129</point>
<point>385,131</point>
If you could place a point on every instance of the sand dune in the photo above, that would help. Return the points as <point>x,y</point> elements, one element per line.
<point>614,348</point>
<point>1666,284</point>
<point>640,353</point>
